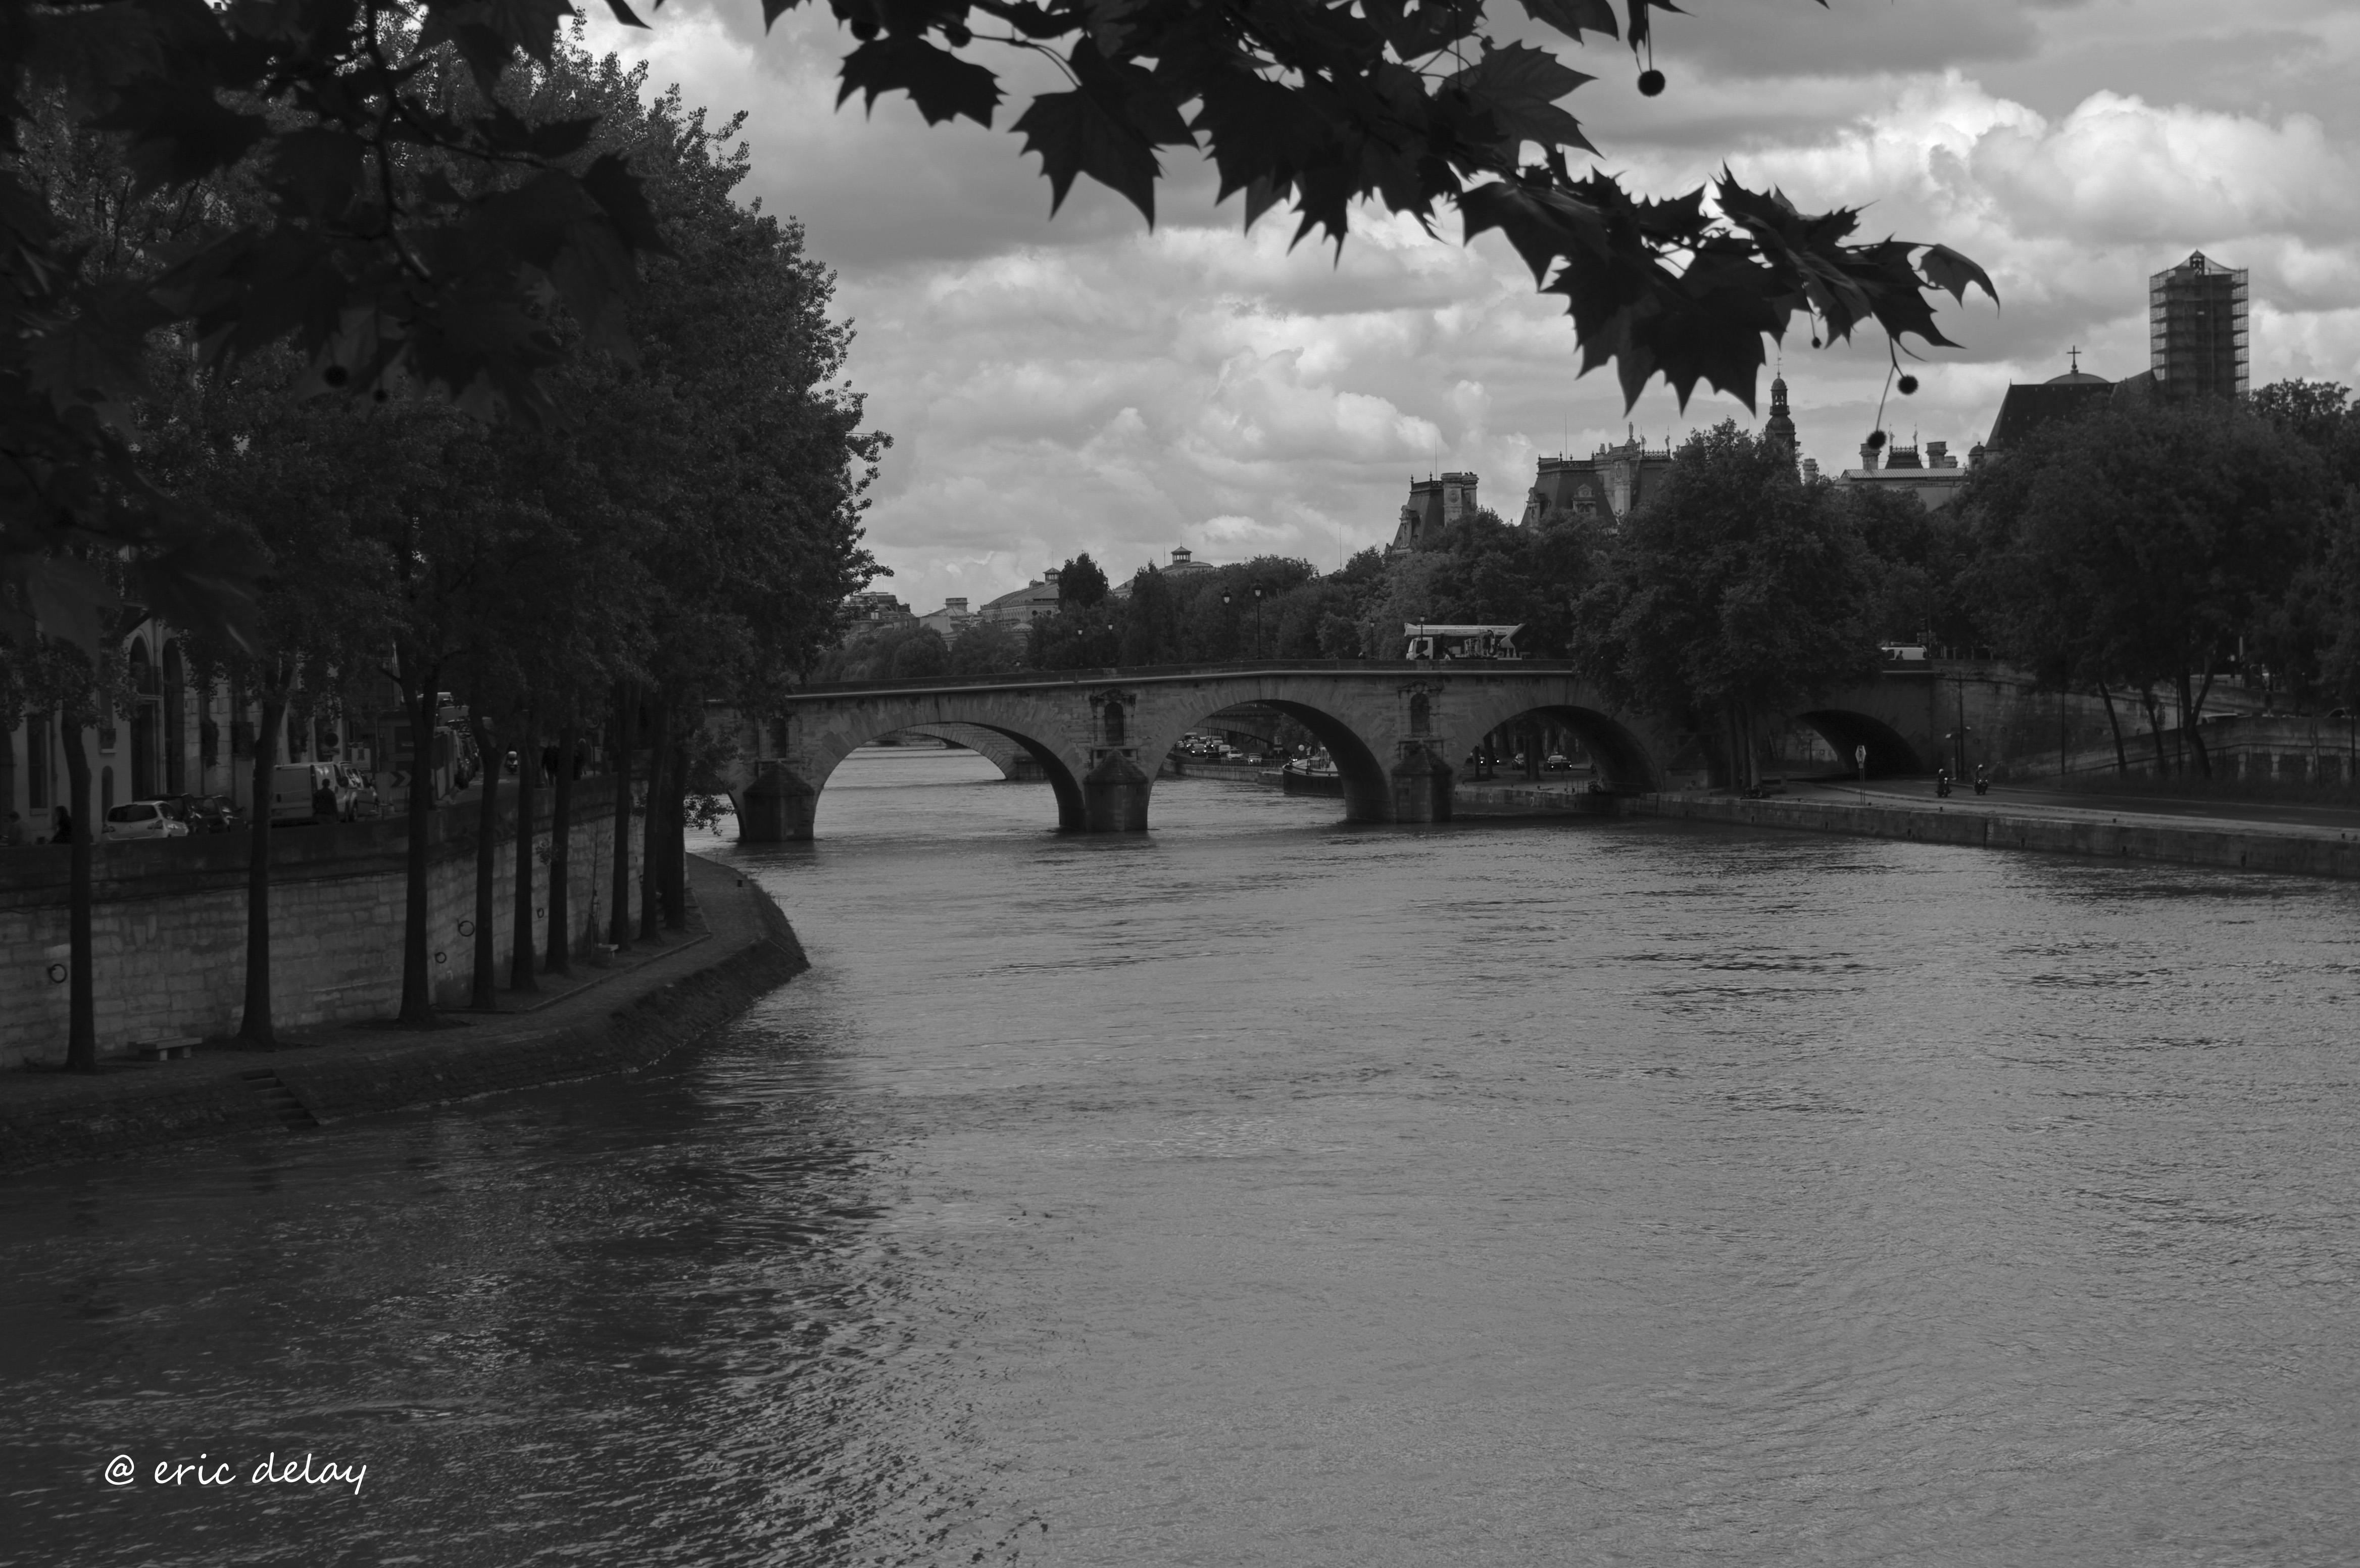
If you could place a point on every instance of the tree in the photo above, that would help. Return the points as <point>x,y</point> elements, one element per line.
<point>1081,583</point>
<point>1482,571</point>
<point>1075,637</point>
<point>2308,640</point>
<point>1730,595</point>
<point>50,675</point>
<point>414,230</point>
<point>986,648</point>
<point>322,614</point>
<point>2166,530</point>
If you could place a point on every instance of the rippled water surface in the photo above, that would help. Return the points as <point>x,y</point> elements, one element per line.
<point>1270,1191</point>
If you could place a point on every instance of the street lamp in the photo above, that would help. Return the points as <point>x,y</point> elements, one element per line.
<point>1257,621</point>
<point>1226,602</point>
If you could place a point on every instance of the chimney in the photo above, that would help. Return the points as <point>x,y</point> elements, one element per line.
<point>957,607</point>
<point>1868,455</point>
<point>1810,469</point>
<point>1938,455</point>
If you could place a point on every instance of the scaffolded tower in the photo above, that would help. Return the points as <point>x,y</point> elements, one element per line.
<point>2197,344</point>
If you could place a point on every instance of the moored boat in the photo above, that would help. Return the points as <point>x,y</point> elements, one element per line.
<point>1316,775</point>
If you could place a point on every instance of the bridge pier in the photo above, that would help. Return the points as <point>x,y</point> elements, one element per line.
<point>1114,794</point>
<point>1421,785</point>
<point>777,808</point>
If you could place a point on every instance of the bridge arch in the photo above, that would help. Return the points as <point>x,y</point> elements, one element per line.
<point>785,797</point>
<point>1625,764</point>
<point>1368,791</point>
<point>1889,752</point>
<point>1014,762</point>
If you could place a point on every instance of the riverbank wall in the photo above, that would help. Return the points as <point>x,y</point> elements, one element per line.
<point>168,921</point>
<point>623,1023</point>
<point>2317,852</point>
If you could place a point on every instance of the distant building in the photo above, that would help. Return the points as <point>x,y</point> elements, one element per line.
<point>1026,605</point>
<point>2197,340</point>
<point>1606,484</point>
<point>1434,504</point>
<point>1932,476</point>
<point>2198,346</point>
<point>1184,565</point>
<point>2034,405</point>
<point>1778,429</point>
<point>874,611</point>
<point>949,620</point>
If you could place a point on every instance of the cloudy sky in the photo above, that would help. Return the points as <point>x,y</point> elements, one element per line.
<point>1085,383</point>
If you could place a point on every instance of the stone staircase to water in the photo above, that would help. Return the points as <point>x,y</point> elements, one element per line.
<point>292,1113</point>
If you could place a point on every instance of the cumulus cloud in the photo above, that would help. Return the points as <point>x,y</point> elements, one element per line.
<point>1086,384</point>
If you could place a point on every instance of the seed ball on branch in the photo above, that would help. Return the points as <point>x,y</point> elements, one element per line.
<point>1876,441</point>
<point>1651,82</point>
<point>1907,384</point>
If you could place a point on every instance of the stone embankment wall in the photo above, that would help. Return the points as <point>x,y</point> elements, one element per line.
<point>637,1026</point>
<point>2324,853</point>
<point>2274,749</point>
<point>169,922</point>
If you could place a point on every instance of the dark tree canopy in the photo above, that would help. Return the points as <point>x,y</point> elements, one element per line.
<point>414,234</point>
<point>1080,582</point>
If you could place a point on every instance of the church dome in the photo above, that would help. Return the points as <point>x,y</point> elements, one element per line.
<point>2076,378</point>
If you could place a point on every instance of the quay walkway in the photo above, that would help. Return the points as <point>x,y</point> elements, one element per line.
<point>642,1005</point>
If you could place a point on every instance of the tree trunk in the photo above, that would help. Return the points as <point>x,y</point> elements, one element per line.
<point>257,1027</point>
<point>652,838</point>
<point>485,994</point>
<point>81,1002</point>
<point>417,973</point>
<point>675,871</point>
<point>2113,722</point>
<point>2155,732</point>
<point>560,835</point>
<point>521,956</point>
<point>2191,702</point>
<point>626,709</point>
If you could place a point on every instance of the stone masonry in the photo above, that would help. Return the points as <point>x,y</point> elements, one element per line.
<point>169,923</point>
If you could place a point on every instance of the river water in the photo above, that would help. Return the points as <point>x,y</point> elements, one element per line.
<point>1265,1191</point>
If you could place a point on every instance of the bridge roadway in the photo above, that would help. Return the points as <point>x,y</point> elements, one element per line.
<point>1395,731</point>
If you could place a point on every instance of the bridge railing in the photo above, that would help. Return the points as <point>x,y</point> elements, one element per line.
<point>1138,672</point>
<point>1027,679</point>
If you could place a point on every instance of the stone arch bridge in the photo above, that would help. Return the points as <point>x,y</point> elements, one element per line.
<point>1395,731</point>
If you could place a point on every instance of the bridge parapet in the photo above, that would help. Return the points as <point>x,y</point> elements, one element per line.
<point>1398,730</point>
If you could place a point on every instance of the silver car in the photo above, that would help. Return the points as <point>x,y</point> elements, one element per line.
<point>143,819</point>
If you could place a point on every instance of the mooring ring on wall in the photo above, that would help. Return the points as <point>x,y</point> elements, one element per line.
<point>441,958</point>
<point>467,928</point>
<point>58,973</point>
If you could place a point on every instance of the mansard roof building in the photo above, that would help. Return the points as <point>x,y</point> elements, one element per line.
<point>1434,503</point>
<point>1606,484</point>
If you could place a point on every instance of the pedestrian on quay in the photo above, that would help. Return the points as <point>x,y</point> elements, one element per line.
<point>63,833</point>
<point>323,802</point>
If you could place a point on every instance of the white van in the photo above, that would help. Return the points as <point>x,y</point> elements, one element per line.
<point>292,786</point>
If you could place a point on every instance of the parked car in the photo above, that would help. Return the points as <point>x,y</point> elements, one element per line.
<point>143,819</point>
<point>1556,763</point>
<point>210,813</point>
